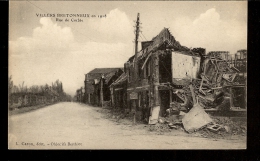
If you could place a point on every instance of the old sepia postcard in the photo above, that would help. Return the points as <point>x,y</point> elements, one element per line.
<point>127,75</point>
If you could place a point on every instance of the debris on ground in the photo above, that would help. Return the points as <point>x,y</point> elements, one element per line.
<point>213,127</point>
<point>195,119</point>
<point>159,128</point>
<point>167,124</point>
<point>172,126</point>
<point>224,128</point>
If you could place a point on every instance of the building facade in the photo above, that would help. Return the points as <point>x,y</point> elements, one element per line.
<point>148,82</point>
<point>97,84</point>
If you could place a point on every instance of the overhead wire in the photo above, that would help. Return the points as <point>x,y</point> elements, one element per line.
<point>143,35</point>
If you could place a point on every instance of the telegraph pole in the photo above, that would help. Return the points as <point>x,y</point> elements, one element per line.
<point>136,44</point>
<point>101,90</point>
<point>135,65</point>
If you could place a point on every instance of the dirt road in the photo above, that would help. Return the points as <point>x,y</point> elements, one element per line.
<point>79,126</point>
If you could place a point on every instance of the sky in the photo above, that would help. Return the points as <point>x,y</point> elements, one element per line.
<point>42,49</point>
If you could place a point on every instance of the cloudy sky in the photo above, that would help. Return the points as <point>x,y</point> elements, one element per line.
<point>42,50</point>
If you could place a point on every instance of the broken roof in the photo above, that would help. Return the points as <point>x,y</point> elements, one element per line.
<point>104,70</point>
<point>163,40</point>
<point>121,79</point>
<point>108,76</point>
<point>163,37</point>
<point>108,73</point>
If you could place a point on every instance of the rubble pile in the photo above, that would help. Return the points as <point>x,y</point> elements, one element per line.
<point>166,125</point>
<point>226,129</point>
<point>207,126</point>
<point>197,120</point>
<point>219,128</point>
<point>212,90</point>
<point>161,128</point>
<point>234,127</point>
<point>202,125</point>
<point>117,114</point>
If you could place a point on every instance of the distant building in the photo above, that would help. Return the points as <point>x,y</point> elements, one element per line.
<point>80,95</point>
<point>221,54</point>
<point>97,83</point>
<point>240,61</point>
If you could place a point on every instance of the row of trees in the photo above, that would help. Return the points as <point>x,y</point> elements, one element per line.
<point>53,91</point>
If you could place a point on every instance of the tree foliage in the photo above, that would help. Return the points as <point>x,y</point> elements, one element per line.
<point>54,90</point>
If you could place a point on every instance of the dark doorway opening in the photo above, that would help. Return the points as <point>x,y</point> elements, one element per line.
<point>238,94</point>
<point>165,66</point>
<point>165,102</point>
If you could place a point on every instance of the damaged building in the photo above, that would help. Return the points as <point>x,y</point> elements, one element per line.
<point>80,95</point>
<point>163,66</point>
<point>163,75</point>
<point>97,84</point>
<point>118,90</point>
<point>165,78</point>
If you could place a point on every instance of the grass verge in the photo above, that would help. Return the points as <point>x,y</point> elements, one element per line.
<point>28,109</point>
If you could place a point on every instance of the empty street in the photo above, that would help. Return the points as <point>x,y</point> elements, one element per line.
<point>79,126</point>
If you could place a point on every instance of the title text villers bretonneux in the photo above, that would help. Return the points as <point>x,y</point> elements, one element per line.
<point>61,15</point>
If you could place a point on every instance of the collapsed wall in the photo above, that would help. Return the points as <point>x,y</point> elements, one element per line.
<point>220,87</point>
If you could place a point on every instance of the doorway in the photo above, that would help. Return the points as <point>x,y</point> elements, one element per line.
<point>164,101</point>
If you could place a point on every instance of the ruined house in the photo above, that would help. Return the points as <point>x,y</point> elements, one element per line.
<point>162,64</point>
<point>118,92</point>
<point>97,82</point>
<point>158,78</point>
<point>223,86</point>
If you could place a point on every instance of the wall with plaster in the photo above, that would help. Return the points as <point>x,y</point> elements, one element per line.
<point>185,66</point>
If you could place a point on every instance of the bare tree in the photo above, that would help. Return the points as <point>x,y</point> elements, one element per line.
<point>10,85</point>
<point>21,87</point>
